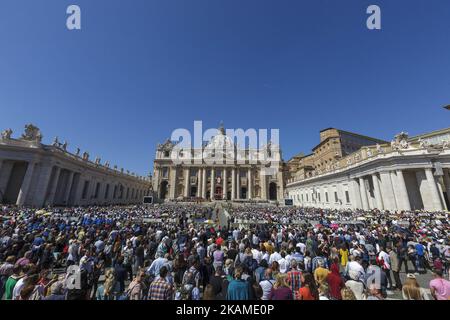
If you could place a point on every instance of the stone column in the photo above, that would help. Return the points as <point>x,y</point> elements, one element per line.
<point>249,184</point>
<point>233,184</point>
<point>402,192</point>
<point>341,196</point>
<point>23,192</point>
<point>377,190</point>
<point>54,184</point>
<point>447,182</point>
<point>280,186</point>
<point>42,185</point>
<point>225,184</point>
<point>387,191</point>
<point>155,179</point>
<point>204,183</point>
<point>173,182</point>
<point>395,187</point>
<point>263,182</point>
<point>434,192</point>
<point>213,184</point>
<point>69,187</point>
<point>441,194</point>
<point>363,191</point>
<point>186,182</point>
<point>91,190</point>
<point>199,182</point>
<point>355,198</point>
<point>5,174</point>
<point>80,187</point>
<point>238,184</point>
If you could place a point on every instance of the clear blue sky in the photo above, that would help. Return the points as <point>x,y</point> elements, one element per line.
<point>139,69</point>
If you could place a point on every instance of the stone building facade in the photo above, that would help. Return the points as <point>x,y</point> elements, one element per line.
<point>218,170</point>
<point>406,174</point>
<point>35,174</point>
<point>334,144</point>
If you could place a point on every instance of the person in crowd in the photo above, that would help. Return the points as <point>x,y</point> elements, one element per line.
<point>238,289</point>
<point>347,294</point>
<point>56,291</point>
<point>324,293</point>
<point>375,276</point>
<point>439,287</point>
<point>160,289</point>
<point>267,284</point>
<point>321,273</point>
<point>335,282</point>
<point>356,285</point>
<point>281,290</point>
<point>411,289</point>
<point>219,284</point>
<point>374,292</point>
<point>6,270</point>
<point>293,278</point>
<point>343,253</point>
<point>309,290</point>
<point>259,272</point>
<point>209,294</point>
<point>17,274</point>
<point>136,288</point>
<point>121,241</point>
<point>395,266</point>
<point>120,273</point>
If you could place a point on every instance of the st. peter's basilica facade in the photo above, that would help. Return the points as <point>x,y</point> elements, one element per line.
<point>218,170</point>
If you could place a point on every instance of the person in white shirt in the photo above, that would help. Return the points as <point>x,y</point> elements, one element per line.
<point>355,285</point>
<point>284,265</point>
<point>267,284</point>
<point>274,257</point>
<point>255,240</point>
<point>257,255</point>
<point>302,247</point>
<point>355,266</point>
<point>386,266</point>
<point>18,287</point>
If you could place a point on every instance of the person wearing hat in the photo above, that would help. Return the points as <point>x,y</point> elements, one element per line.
<point>411,289</point>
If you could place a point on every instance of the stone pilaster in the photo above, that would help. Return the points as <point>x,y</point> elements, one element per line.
<point>68,187</point>
<point>23,192</point>
<point>213,184</point>
<point>233,184</point>
<point>173,182</point>
<point>204,183</point>
<point>54,184</point>
<point>249,184</point>
<point>199,182</point>
<point>402,192</point>
<point>434,192</point>
<point>377,191</point>
<point>387,191</point>
<point>363,192</point>
<point>225,184</point>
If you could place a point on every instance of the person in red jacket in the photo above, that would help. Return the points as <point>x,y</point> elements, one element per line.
<point>335,282</point>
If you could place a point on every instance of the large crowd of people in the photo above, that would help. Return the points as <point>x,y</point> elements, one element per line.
<point>180,251</point>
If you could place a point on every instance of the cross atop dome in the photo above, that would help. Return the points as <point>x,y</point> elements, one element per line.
<point>221,128</point>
